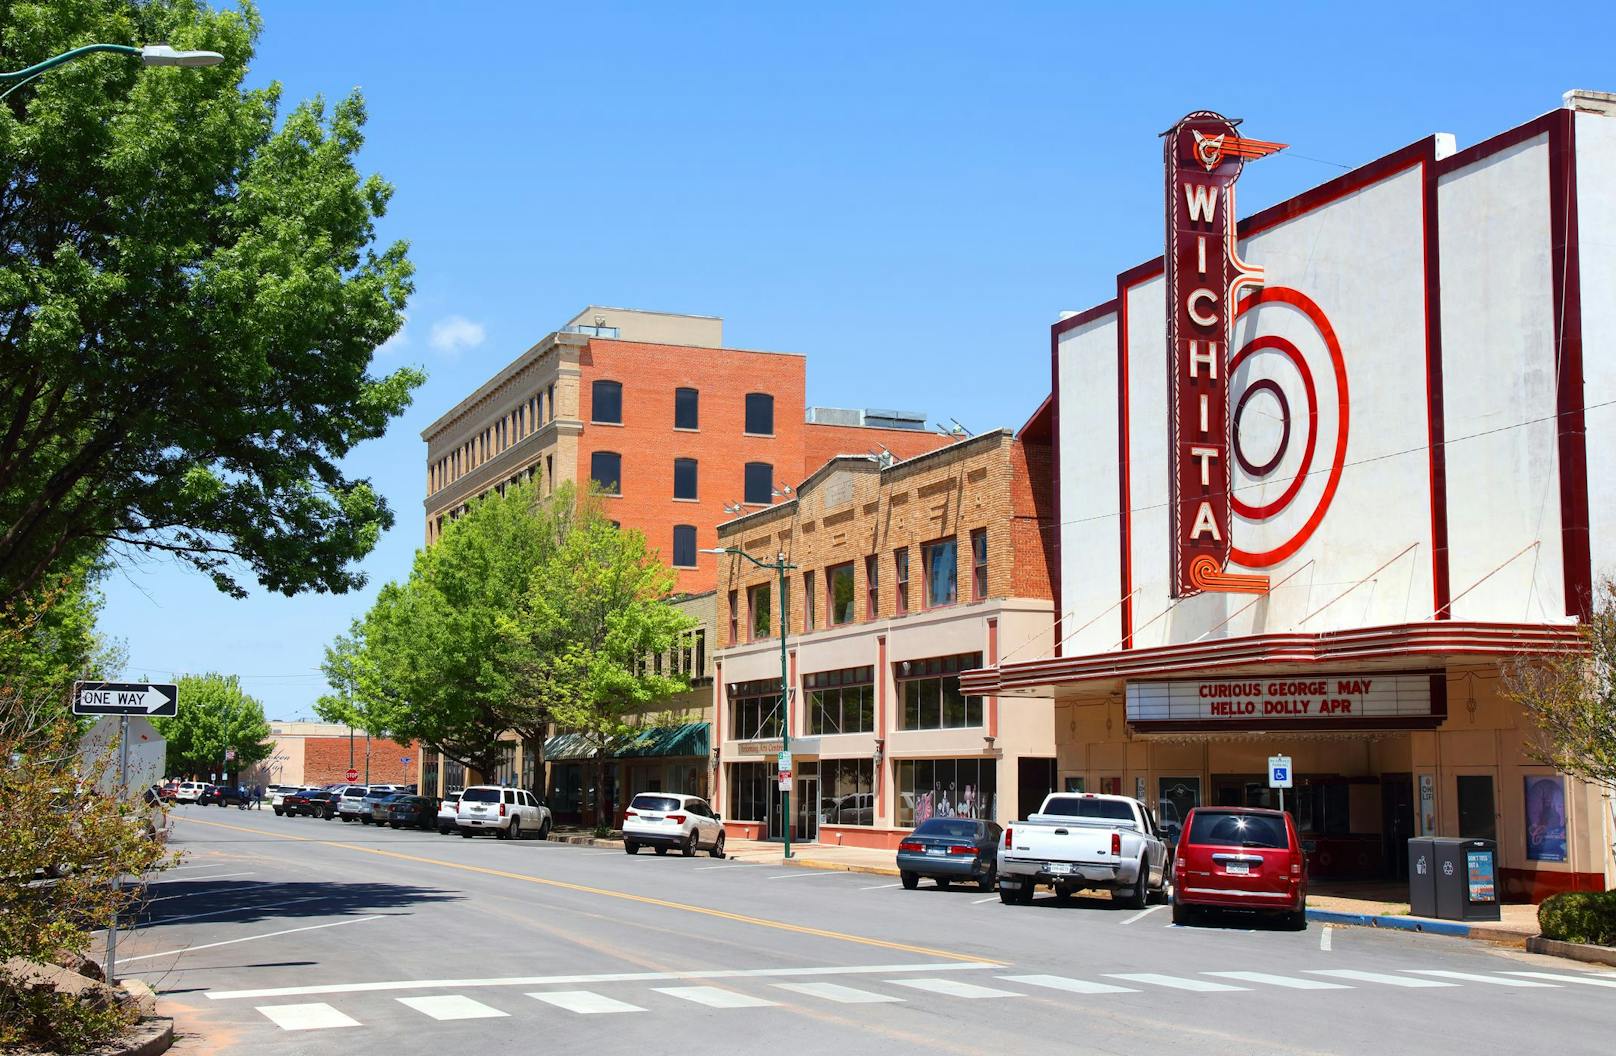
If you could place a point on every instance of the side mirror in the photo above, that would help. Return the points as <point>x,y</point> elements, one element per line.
<point>717,816</point>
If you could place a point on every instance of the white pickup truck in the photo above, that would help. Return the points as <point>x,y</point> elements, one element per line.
<point>1080,840</point>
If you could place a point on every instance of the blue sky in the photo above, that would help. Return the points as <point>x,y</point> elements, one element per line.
<point>907,193</point>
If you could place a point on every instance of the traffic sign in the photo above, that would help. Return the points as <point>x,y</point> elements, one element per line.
<point>404,759</point>
<point>783,761</point>
<point>125,698</point>
<point>353,775</point>
<point>229,755</point>
<point>1279,771</point>
<point>785,780</point>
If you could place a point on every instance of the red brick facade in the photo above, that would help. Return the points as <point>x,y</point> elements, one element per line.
<point>821,443</point>
<point>325,760</point>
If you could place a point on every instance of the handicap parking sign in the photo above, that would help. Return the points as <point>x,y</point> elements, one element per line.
<point>1279,771</point>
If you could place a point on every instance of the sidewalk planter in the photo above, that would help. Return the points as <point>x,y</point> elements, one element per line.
<point>1576,951</point>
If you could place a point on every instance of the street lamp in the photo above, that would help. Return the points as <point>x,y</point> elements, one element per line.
<point>149,55</point>
<point>780,568</point>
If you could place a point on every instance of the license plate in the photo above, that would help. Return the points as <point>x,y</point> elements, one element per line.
<point>479,810</point>
<point>1238,869</point>
<point>651,817</point>
<point>935,850</point>
<point>1059,868</point>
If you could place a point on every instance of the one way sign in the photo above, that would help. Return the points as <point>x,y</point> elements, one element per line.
<point>125,698</point>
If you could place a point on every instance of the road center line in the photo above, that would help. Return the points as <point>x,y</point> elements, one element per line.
<point>778,925</point>
<point>1143,913</point>
<point>246,938</point>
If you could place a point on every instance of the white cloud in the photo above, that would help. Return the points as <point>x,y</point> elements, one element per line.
<point>398,342</point>
<point>455,334</point>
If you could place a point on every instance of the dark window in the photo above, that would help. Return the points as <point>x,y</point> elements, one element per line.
<point>930,690</point>
<point>979,564</point>
<point>942,572</point>
<point>606,402</point>
<point>807,602</point>
<point>684,478</point>
<point>659,803</point>
<point>841,701</point>
<point>1477,819</point>
<point>686,409</point>
<point>872,587</point>
<point>734,617</point>
<point>900,579</point>
<point>950,829</point>
<point>847,791</point>
<point>684,545</point>
<point>839,593</point>
<point>606,469</point>
<point>946,788</point>
<point>759,485</point>
<point>754,710</point>
<point>1080,807</point>
<point>760,414</point>
<point>757,599</point>
<point>1210,828</point>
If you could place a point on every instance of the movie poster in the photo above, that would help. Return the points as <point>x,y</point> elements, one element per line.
<point>1545,819</point>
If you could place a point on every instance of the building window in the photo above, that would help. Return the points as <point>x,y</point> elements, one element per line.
<point>454,776</point>
<point>550,392</point>
<point>759,484</point>
<point>757,600</point>
<point>606,402</point>
<point>505,763</point>
<point>839,593</point>
<point>847,791</point>
<point>941,561</point>
<point>807,602</point>
<point>759,414</point>
<point>751,791</point>
<point>930,691</point>
<point>549,473</point>
<point>684,478</point>
<point>734,618</point>
<point>754,709</point>
<point>430,762</point>
<point>900,579</point>
<point>841,701</point>
<point>946,788</point>
<point>701,654</point>
<point>530,768</point>
<point>684,545</point>
<point>979,564</point>
<point>606,469</point>
<point>872,587</point>
<point>686,409</point>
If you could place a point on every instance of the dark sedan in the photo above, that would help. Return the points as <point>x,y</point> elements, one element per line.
<point>949,849</point>
<point>316,804</point>
<point>420,812</point>
<point>223,796</point>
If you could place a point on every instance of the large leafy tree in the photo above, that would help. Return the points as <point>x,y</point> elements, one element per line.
<point>215,716</point>
<point>190,296</point>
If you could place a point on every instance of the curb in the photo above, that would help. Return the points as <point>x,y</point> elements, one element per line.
<point>841,867</point>
<point>1451,929</point>
<point>149,1037</point>
<point>1576,951</point>
<point>585,841</point>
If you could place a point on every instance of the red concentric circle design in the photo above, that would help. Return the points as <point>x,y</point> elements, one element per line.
<point>1290,352</point>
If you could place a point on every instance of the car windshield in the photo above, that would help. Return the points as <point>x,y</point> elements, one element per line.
<point>949,828</point>
<point>353,793</point>
<point>1080,807</point>
<point>480,795</point>
<point>1238,830</point>
<point>662,803</point>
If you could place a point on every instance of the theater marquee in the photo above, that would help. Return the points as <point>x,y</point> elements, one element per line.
<point>1351,699</point>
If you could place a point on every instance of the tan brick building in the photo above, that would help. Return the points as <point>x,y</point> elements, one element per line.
<point>320,753</point>
<point>907,573</point>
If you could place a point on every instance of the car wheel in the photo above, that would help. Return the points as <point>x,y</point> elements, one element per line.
<point>465,834</point>
<point>544,829</point>
<point>1183,915</point>
<point>1063,894</point>
<point>1158,896</point>
<point>630,848</point>
<point>718,847</point>
<point>1296,920</point>
<point>364,819</point>
<point>1139,894</point>
<point>909,880</point>
<point>444,830</point>
<point>942,882</point>
<point>661,851</point>
<point>513,831</point>
<point>689,849</point>
<point>989,880</point>
<point>279,811</point>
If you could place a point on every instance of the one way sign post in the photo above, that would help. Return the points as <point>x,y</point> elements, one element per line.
<point>152,699</point>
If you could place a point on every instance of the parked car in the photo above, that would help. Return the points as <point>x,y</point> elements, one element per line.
<point>278,794</point>
<point>506,812</point>
<point>403,809</point>
<point>351,802</point>
<point>224,796</point>
<point>949,849</point>
<point>664,820</point>
<point>315,803</point>
<point>188,791</point>
<point>448,813</point>
<point>1240,858</point>
<point>1080,840</point>
<point>378,799</point>
<point>167,792</point>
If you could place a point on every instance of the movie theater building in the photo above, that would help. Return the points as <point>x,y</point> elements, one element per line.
<point>1324,473</point>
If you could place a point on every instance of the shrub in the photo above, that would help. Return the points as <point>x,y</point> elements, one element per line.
<point>58,1021</point>
<point>1580,916</point>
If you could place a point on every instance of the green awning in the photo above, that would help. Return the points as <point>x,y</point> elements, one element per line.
<point>691,738</point>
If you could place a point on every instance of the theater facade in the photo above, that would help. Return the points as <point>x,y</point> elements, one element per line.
<point>1322,473</point>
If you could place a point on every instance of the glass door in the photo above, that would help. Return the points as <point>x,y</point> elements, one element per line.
<point>807,805</point>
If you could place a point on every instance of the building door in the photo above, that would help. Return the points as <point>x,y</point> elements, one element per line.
<point>1035,779</point>
<point>1396,821</point>
<point>807,808</point>
<point>1478,816</point>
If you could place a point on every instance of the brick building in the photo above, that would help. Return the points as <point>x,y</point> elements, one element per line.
<point>907,573</point>
<point>320,753</point>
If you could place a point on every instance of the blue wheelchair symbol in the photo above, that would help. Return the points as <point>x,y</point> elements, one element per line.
<point>1279,773</point>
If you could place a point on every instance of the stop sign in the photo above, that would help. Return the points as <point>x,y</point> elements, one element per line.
<point>353,775</point>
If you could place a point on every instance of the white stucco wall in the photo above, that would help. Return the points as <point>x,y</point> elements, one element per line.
<point>1089,556</point>
<point>1596,215</point>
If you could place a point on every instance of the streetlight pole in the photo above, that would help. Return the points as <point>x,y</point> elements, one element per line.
<point>780,568</point>
<point>150,55</point>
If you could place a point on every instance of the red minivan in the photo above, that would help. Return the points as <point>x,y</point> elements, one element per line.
<point>1240,858</point>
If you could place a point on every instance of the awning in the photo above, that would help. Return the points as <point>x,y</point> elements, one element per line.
<point>690,738</point>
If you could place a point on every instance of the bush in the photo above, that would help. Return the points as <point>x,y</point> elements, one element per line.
<point>57,1021</point>
<point>1580,916</point>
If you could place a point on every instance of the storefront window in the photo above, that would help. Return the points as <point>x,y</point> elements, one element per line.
<point>454,776</point>
<point>754,709</point>
<point>505,763</point>
<point>946,788</point>
<point>751,786</point>
<point>846,792</point>
<point>757,600</point>
<point>930,690</point>
<point>841,701</point>
<point>430,761</point>
<point>530,768</point>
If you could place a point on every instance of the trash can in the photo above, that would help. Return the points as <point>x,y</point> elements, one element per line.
<point>1422,876</point>
<point>1466,876</point>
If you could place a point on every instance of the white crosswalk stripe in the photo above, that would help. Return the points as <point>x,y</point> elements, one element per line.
<point>1175,982</point>
<point>842,995</point>
<point>1286,981</point>
<point>1377,977</point>
<point>1071,986</point>
<point>451,1006</point>
<point>1586,980</point>
<point>713,996</point>
<point>585,1002</point>
<point>1472,977</point>
<point>954,988</point>
<point>315,1016</point>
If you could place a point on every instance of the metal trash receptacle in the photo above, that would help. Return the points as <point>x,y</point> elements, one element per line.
<point>1422,876</point>
<point>1466,876</point>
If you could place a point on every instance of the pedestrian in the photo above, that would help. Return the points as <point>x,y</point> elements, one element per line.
<point>258,797</point>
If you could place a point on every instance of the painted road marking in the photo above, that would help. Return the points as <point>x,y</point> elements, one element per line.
<point>1071,986</point>
<point>316,1016</point>
<point>613,977</point>
<point>201,879</point>
<point>1586,980</point>
<point>808,873</point>
<point>232,909</point>
<point>1324,938</point>
<point>842,995</point>
<point>778,925</point>
<point>585,1002</point>
<point>1174,982</point>
<point>713,996</point>
<point>1280,980</point>
<point>953,988</point>
<point>1376,977</point>
<point>879,887</point>
<point>1471,977</point>
<point>1143,913</point>
<point>245,938</point>
<point>730,865</point>
<point>451,1006</point>
<point>979,901</point>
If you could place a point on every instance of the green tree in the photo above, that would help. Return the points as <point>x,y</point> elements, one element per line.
<point>190,296</point>
<point>214,716</point>
<point>53,638</point>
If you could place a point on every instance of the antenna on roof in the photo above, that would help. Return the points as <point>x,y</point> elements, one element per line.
<point>886,457</point>
<point>732,507</point>
<point>943,430</point>
<point>780,491</point>
<point>961,427</point>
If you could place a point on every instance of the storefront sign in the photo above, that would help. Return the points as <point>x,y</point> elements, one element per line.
<point>1300,699</point>
<point>759,747</point>
<point>1204,156</point>
<point>1545,819</point>
<point>1427,805</point>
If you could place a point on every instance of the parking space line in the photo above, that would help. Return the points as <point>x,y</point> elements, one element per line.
<point>807,873</point>
<point>199,879</point>
<point>245,938</point>
<point>729,865</point>
<point>1324,938</point>
<point>1143,913</point>
<point>879,887</point>
<point>979,901</point>
<point>222,912</point>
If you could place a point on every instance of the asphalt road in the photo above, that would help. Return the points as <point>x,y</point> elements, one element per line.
<point>293,935</point>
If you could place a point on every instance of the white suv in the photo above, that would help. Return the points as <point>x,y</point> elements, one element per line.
<point>351,802</point>
<point>189,791</point>
<point>665,819</point>
<point>506,812</point>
